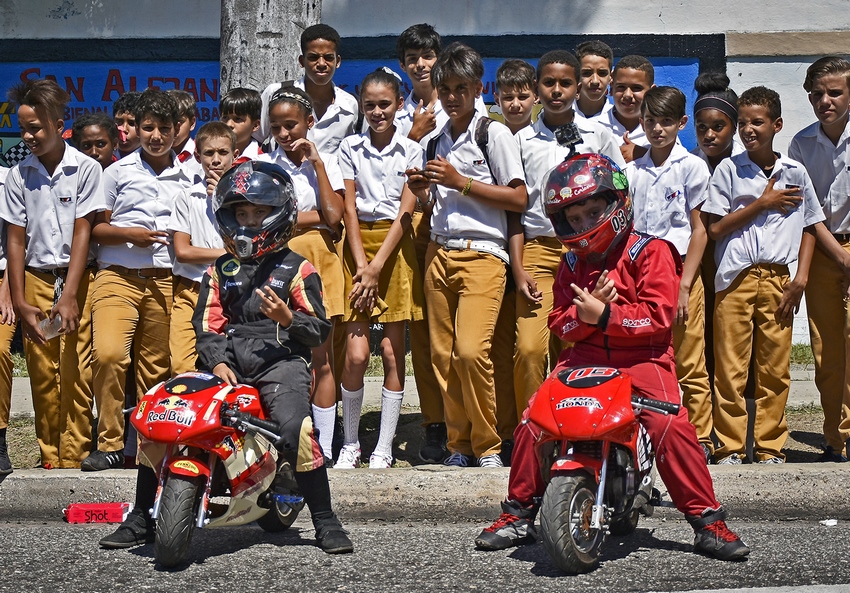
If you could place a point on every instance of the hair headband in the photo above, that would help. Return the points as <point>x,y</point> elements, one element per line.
<point>715,102</point>
<point>281,94</point>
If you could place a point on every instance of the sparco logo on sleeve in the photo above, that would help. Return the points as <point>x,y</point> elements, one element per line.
<point>570,326</point>
<point>637,322</point>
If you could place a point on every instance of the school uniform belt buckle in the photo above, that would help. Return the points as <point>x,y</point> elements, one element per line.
<point>456,244</point>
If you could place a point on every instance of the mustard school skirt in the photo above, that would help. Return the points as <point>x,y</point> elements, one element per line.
<point>317,246</point>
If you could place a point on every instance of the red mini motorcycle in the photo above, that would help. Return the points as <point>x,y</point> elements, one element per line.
<point>219,468</point>
<point>597,460</point>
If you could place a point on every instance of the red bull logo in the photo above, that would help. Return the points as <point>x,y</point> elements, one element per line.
<point>177,411</point>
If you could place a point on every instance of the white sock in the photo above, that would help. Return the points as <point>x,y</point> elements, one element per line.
<point>323,420</point>
<point>352,403</point>
<point>390,410</point>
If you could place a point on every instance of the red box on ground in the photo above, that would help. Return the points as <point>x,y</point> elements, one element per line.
<point>99,512</point>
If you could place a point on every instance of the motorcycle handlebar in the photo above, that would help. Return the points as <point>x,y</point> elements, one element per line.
<point>233,417</point>
<point>655,405</point>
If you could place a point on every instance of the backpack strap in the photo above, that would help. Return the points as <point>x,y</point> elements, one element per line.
<point>482,137</point>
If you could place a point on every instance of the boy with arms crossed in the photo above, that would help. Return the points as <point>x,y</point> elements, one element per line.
<point>824,149</point>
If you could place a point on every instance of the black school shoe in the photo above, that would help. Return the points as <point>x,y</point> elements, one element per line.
<point>713,538</point>
<point>137,529</point>
<point>331,537</point>
<point>101,460</point>
<point>5,462</point>
<point>434,450</point>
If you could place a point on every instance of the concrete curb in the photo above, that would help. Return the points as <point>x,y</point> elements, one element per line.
<point>436,493</point>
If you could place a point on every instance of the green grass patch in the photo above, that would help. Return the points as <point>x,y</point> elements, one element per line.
<point>19,365</point>
<point>802,354</point>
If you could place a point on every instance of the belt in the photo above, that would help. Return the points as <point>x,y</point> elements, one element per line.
<point>141,272</point>
<point>60,272</point>
<point>190,284</point>
<point>841,237</point>
<point>482,245</point>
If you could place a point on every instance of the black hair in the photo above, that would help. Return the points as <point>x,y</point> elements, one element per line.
<point>457,60</point>
<point>664,101</point>
<point>158,104</point>
<point>384,77</point>
<point>294,96</point>
<point>515,74</point>
<point>126,103</point>
<point>764,97</point>
<point>185,103</point>
<point>558,56</point>
<point>320,31</point>
<point>241,101</point>
<point>825,66</point>
<point>43,95</point>
<point>421,36</point>
<point>635,62</point>
<point>99,119</point>
<point>595,47</point>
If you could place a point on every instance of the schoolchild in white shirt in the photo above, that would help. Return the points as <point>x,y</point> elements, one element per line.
<point>465,277</point>
<point>382,280</point>
<point>50,203</point>
<point>197,243</point>
<point>133,291</point>
<point>319,188</point>
<point>556,134</point>
<point>184,145</point>
<point>241,109</point>
<point>633,76</point>
<point>596,59</point>
<point>824,149</point>
<point>763,210</point>
<point>8,324</point>
<point>668,186</point>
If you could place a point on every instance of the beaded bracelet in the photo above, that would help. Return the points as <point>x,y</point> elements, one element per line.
<point>467,187</point>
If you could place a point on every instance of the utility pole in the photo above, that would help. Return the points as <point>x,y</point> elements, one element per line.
<point>260,40</point>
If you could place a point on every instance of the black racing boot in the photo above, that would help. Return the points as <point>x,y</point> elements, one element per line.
<point>5,462</point>
<point>138,528</point>
<point>515,526</point>
<point>713,538</point>
<point>330,535</point>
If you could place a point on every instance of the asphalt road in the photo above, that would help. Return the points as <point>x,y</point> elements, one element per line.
<point>420,556</point>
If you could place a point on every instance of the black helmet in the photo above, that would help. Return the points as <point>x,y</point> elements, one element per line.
<point>261,184</point>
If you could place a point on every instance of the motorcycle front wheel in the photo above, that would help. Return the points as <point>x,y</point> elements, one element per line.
<point>565,518</point>
<point>176,520</point>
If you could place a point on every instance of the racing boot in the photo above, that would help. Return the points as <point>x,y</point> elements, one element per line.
<point>330,535</point>
<point>713,538</point>
<point>515,526</point>
<point>138,528</point>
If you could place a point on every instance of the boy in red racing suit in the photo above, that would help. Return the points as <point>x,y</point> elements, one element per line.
<point>615,298</point>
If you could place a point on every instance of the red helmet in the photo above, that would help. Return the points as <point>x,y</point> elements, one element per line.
<point>581,177</point>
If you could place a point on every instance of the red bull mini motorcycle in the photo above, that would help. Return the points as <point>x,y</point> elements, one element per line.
<point>220,467</point>
<point>597,460</point>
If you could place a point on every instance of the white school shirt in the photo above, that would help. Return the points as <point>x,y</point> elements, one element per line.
<point>663,197</point>
<point>339,121</point>
<point>404,117</point>
<point>637,136</point>
<point>541,153</point>
<point>829,167</point>
<point>4,171</point>
<point>47,206</point>
<point>737,148</point>
<point>606,107</point>
<point>304,178</point>
<point>192,165</point>
<point>378,175</point>
<point>193,214</point>
<point>459,216</point>
<point>771,237</point>
<point>138,197</point>
<point>252,151</point>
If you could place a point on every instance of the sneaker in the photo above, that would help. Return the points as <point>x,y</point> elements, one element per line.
<point>706,450</point>
<point>514,526</point>
<point>380,461</point>
<point>733,459</point>
<point>831,455</point>
<point>771,460</point>
<point>457,460</point>
<point>349,457</point>
<point>101,460</point>
<point>713,538</point>
<point>434,450</point>
<point>137,529</point>
<point>490,461</point>
<point>330,535</point>
<point>5,462</point>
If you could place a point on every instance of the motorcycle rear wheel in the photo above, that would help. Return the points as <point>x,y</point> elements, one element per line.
<point>176,520</point>
<point>278,519</point>
<point>625,525</point>
<point>565,517</point>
